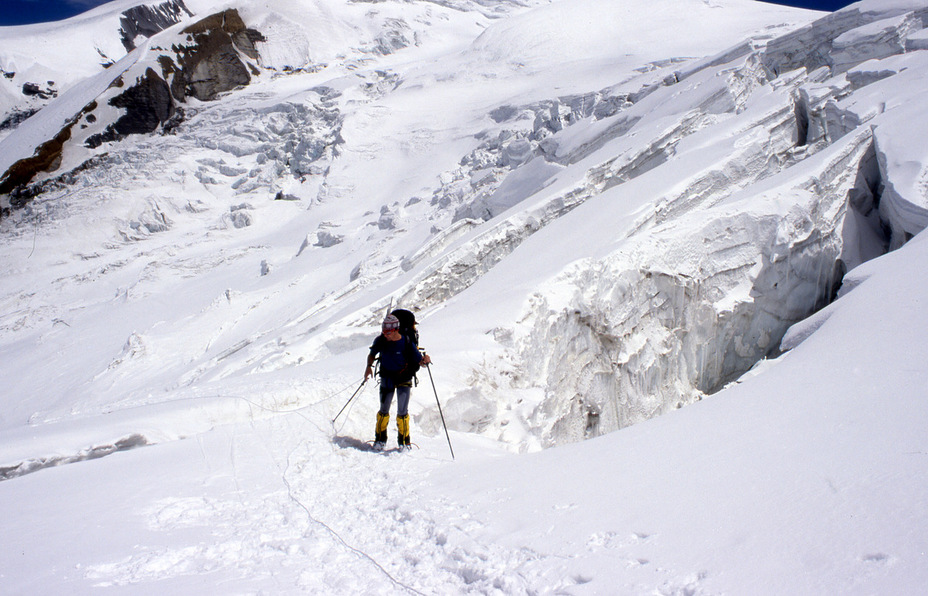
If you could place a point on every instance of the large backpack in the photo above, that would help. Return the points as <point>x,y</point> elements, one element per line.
<point>408,330</point>
<point>407,325</point>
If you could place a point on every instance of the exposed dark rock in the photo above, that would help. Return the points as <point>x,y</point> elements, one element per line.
<point>47,158</point>
<point>149,20</point>
<point>229,22</point>
<point>107,61</point>
<point>22,195</point>
<point>211,65</point>
<point>221,71</point>
<point>208,66</point>
<point>31,89</point>
<point>175,74</point>
<point>16,118</point>
<point>148,104</point>
<point>170,125</point>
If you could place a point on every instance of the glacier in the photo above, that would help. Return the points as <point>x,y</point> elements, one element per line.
<point>602,213</point>
<point>721,199</point>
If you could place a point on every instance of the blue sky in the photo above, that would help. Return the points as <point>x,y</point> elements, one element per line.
<point>816,4</point>
<point>21,12</point>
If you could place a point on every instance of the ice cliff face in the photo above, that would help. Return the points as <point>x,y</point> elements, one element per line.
<point>848,37</point>
<point>634,237</point>
<point>738,245</point>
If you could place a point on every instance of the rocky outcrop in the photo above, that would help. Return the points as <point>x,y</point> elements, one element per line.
<point>16,118</point>
<point>148,105</point>
<point>211,64</point>
<point>47,158</point>
<point>147,21</point>
<point>21,195</point>
<point>33,90</point>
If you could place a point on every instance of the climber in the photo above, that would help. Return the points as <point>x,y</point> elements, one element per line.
<point>400,358</point>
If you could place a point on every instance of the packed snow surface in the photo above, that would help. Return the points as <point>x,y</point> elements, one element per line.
<point>666,257</point>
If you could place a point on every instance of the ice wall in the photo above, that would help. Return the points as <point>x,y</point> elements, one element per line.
<point>846,37</point>
<point>821,172</point>
<point>679,312</point>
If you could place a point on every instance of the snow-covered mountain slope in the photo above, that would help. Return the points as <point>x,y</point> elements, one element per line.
<point>388,157</point>
<point>601,212</point>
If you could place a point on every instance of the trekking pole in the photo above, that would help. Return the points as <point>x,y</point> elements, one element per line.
<point>429,368</point>
<point>356,391</point>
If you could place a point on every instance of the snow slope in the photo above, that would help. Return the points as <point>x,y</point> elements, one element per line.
<point>602,212</point>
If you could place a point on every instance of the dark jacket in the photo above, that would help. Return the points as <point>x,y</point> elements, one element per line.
<point>399,360</point>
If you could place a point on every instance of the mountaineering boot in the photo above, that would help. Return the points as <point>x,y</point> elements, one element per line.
<point>380,434</point>
<point>402,428</point>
